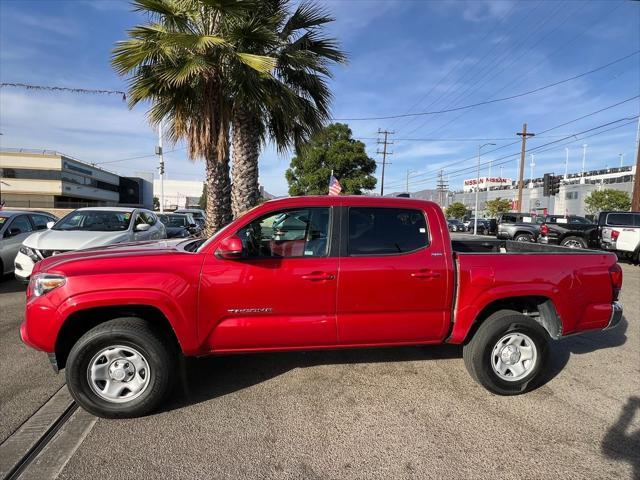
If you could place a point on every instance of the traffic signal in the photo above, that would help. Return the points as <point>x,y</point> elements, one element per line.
<point>546,184</point>
<point>554,186</point>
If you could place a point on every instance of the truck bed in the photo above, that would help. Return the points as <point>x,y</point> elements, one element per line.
<point>510,246</point>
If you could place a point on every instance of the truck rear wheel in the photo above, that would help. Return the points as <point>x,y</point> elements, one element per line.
<point>508,353</point>
<point>574,242</point>
<point>121,368</point>
<point>524,237</point>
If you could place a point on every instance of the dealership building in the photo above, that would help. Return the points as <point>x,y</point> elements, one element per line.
<point>574,188</point>
<point>49,179</point>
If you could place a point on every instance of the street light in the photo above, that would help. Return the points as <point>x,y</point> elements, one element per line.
<point>475,216</point>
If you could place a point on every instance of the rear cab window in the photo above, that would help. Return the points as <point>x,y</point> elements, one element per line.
<point>386,231</point>
<point>623,219</point>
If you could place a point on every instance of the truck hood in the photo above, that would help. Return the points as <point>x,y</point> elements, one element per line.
<point>73,240</point>
<point>154,247</point>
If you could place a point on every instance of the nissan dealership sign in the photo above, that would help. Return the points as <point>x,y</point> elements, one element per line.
<point>486,182</point>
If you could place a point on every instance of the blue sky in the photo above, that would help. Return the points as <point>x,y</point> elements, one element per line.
<point>405,57</point>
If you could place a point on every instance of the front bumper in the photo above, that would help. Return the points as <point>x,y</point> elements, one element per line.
<point>23,267</point>
<point>616,315</point>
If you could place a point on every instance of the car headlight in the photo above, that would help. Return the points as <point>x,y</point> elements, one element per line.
<point>42,283</point>
<point>30,252</point>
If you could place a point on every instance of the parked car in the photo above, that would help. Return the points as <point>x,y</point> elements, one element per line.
<point>15,227</point>
<point>620,233</point>
<point>87,228</point>
<point>569,231</point>
<point>198,214</point>
<point>521,227</point>
<point>456,225</point>
<point>366,271</point>
<point>180,225</point>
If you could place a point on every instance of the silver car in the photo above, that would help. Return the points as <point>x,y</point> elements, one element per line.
<point>88,228</point>
<point>15,227</point>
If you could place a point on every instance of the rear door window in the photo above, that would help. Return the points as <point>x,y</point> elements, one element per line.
<point>386,231</point>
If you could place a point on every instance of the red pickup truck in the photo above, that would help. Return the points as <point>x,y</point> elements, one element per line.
<point>310,273</point>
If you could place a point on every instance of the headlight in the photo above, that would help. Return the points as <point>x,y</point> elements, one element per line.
<point>30,252</point>
<point>42,283</point>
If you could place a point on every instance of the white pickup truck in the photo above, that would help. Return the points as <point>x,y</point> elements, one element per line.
<point>620,233</point>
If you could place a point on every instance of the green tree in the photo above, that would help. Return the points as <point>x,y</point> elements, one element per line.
<point>156,203</point>
<point>456,210</point>
<point>179,62</point>
<point>497,206</point>
<point>332,148</point>
<point>607,199</point>
<point>287,106</point>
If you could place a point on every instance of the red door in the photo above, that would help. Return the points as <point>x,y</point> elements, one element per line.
<point>281,294</point>
<point>394,285</point>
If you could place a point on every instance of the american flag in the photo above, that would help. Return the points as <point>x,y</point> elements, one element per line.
<point>334,186</point>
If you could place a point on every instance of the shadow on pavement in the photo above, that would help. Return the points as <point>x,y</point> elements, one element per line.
<point>8,284</point>
<point>584,343</point>
<point>621,443</point>
<point>227,374</point>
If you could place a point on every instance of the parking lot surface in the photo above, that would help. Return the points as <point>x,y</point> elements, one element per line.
<point>376,413</point>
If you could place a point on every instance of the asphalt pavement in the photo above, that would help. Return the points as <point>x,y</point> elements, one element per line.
<point>375,413</point>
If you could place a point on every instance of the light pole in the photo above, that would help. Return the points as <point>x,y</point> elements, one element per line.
<point>584,161</point>
<point>475,216</point>
<point>566,162</point>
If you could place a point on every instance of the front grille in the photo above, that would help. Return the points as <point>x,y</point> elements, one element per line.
<point>49,253</point>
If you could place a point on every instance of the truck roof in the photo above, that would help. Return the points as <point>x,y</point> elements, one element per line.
<point>349,200</point>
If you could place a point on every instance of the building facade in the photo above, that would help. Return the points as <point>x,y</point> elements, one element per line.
<point>49,179</point>
<point>179,193</point>
<point>574,188</point>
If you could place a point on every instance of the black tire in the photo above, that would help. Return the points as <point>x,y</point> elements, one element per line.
<point>574,242</point>
<point>523,237</point>
<point>128,332</point>
<point>478,352</point>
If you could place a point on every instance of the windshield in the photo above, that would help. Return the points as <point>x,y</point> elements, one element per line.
<point>173,220</point>
<point>95,221</point>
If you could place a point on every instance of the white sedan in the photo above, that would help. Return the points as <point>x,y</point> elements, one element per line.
<point>87,228</point>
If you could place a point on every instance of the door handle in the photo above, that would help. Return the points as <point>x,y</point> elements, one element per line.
<point>318,276</point>
<point>425,274</point>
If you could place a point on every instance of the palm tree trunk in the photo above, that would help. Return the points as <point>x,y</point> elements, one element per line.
<point>217,189</point>
<point>245,191</point>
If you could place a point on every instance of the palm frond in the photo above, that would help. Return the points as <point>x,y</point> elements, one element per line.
<point>260,63</point>
<point>308,15</point>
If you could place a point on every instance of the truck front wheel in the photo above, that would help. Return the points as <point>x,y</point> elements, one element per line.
<point>507,353</point>
<point>121,368</point>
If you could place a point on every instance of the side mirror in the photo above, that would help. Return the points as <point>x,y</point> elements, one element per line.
<point>50,224</point>
<point>230,248</point>
<point>142,227</point>
<point>193,225</point>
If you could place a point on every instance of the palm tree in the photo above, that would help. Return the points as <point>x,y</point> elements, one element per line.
<point>180,63</point>
<point>291,103</point>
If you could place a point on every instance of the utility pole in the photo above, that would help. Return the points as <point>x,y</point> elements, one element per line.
<point>635,196</point>
<point>566,163</point>
<point>407,184</point>
<point>621,155</point>
<point>442,188</point>
<point>533,166</point>
<point>384,153</point>
<point>161,168</point>
<point>584,161</point>
<point>523,154</point>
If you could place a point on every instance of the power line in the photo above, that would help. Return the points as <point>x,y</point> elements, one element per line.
<point>608,107</point>
<point>511,97</point>
<point>494,65</point>
<point>87,91</point>
<point>510,156</point>
<point>135,158</point>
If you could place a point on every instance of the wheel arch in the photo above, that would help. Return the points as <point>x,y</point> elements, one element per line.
<point>538,307</point>
<point>80,322</point>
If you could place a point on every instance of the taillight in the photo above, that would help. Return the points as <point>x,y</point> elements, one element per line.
<point>544,229</point>
<point>615,273</point>
<point>615,234</point>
